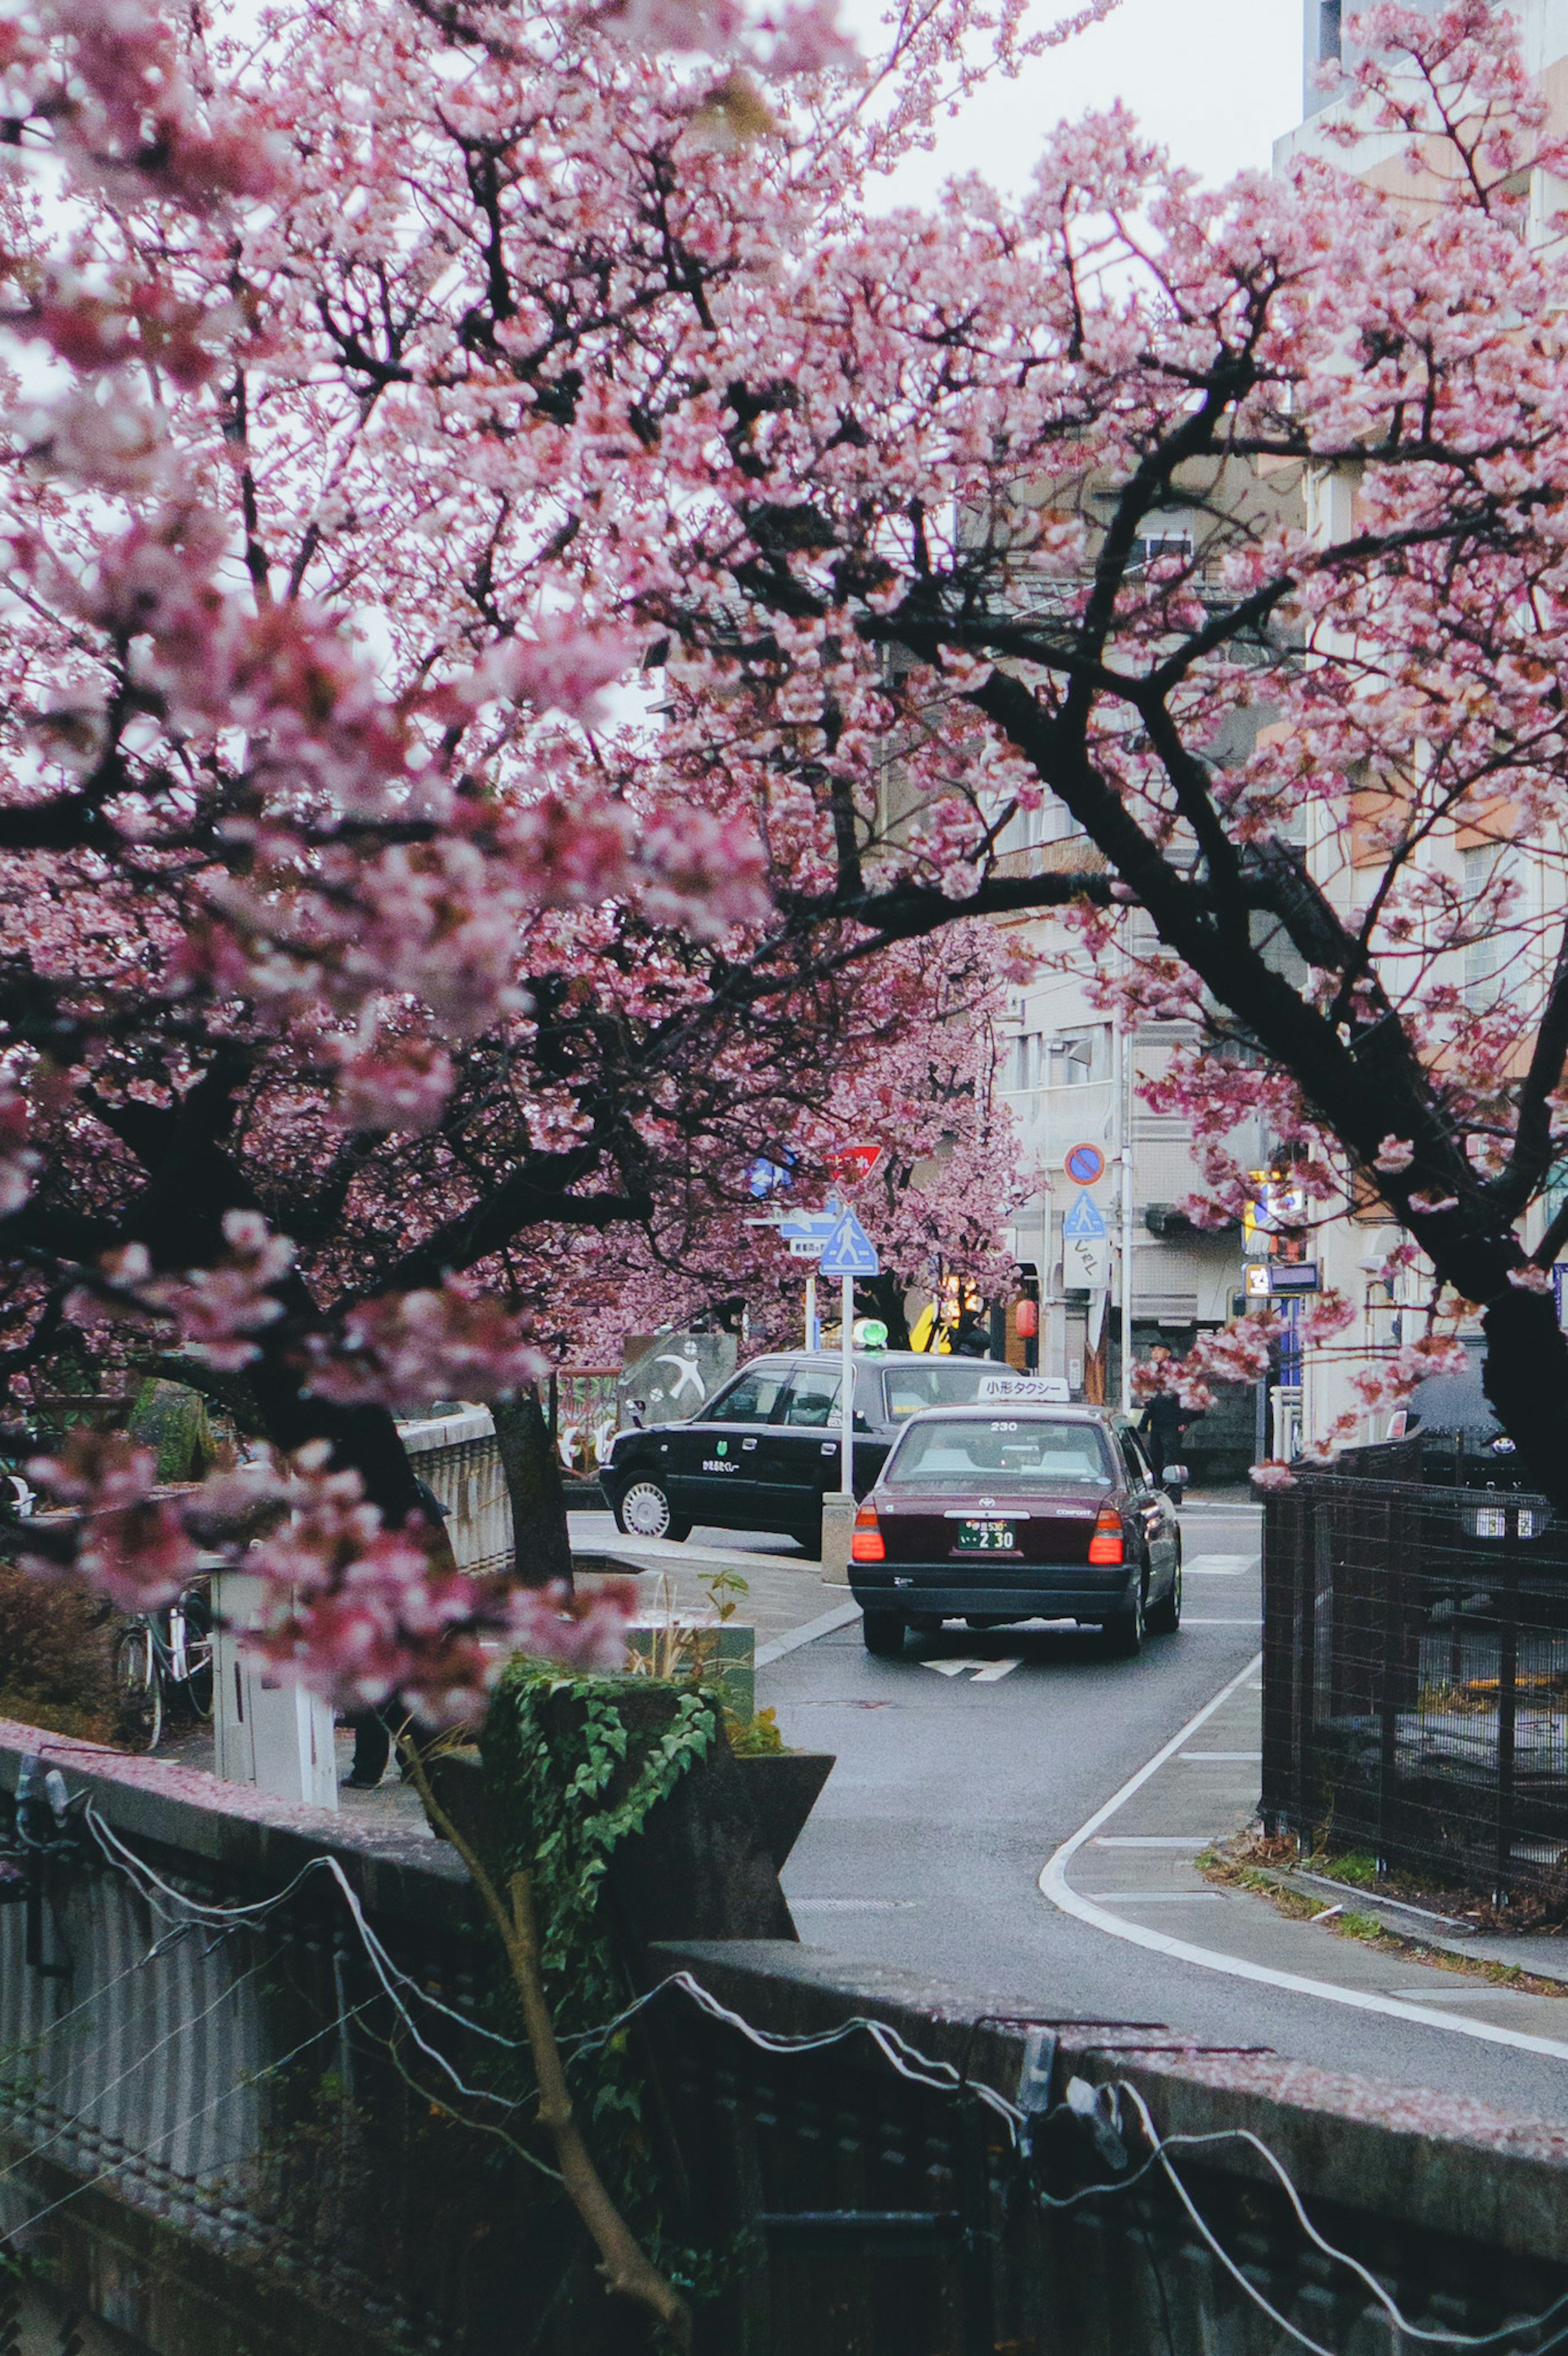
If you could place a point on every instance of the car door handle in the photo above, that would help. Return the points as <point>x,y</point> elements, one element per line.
<point>748,1443</point>
<point>829,1447</point>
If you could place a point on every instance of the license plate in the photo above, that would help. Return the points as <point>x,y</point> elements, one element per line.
<point>985,1538</point>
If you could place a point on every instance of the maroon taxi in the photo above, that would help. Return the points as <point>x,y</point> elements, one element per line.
<point>995,1514</point>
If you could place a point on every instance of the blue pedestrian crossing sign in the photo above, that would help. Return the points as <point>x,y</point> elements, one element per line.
<point>849,1251</point>
<point>1085,1218</point>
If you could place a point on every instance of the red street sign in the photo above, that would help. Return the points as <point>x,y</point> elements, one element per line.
<point>851,1163</point>
<point>1084,1164</point>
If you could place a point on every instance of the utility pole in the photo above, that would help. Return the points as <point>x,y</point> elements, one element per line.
<point>1124,1069</point>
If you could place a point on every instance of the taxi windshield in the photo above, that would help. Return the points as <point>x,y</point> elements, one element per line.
<point>1010,1448</point>
<point>944,1382</point>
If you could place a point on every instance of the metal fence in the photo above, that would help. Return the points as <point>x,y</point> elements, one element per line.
<point>1415,1674</point>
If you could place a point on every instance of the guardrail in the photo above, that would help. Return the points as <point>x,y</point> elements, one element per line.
<point>458,1458</point>
<point>1415,1676</point>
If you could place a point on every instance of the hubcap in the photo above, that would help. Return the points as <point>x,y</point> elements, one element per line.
<point>646,1509</point>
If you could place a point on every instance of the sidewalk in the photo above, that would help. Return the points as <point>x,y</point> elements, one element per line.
<point>787,1601</point>
<point>1132,1872</point>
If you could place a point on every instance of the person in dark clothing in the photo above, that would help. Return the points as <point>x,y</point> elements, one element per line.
<point>1164,1421</point>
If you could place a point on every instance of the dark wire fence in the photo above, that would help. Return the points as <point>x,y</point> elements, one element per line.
<point>1415,1672</point>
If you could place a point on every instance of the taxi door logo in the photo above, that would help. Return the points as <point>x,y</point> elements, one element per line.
<point>717,1463</point>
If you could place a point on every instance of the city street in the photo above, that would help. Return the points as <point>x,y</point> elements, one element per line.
<point>965,1767</point>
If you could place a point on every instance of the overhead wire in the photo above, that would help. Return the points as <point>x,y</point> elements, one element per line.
<point>99,2093</point>
<point>241,2085</point>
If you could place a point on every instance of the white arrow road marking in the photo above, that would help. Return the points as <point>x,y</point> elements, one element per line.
<point>986,1672</point>
<point>1055,1885</point>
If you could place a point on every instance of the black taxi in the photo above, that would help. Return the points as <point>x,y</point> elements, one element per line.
<point>995,1514</point>
<point>762,1452</point>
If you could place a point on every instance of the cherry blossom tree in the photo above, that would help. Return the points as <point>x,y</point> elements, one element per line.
<point>530,612</point>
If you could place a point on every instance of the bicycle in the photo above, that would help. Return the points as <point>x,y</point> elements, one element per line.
<point>159,1655</point>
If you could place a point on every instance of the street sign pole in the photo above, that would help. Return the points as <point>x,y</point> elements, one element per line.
<point>813,1339</point>
<point>846,1387</point>
<point>849,1252</point>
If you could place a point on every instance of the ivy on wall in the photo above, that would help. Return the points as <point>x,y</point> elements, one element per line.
<point>573,1768</point>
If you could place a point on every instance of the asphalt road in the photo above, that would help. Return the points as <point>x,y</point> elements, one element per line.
<point>954,1787</point>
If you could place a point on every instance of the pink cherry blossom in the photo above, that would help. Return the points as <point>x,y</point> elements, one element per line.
<point>414,1347</point>
<point>1395,1153</point>
<point>131,1546</point>
<point>18,1162</point>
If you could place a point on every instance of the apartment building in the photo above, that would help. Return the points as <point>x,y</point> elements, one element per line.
<point>1490,969</point>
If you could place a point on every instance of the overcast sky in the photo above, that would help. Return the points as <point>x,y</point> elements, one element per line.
<point>1216,81</point>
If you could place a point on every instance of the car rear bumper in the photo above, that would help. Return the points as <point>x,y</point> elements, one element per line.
<point>1073,1592</point>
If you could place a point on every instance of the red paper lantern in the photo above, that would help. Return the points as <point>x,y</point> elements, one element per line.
<point>1029,1320</point>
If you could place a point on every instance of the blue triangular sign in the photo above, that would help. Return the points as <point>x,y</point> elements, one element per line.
<point>1085,1218</point>
<point>849,1251</point>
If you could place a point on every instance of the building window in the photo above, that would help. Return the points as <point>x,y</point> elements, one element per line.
<point>1329,45</point>
<point>1157,547</point>
<point>1075,1059</point>
<point>1483,869</point>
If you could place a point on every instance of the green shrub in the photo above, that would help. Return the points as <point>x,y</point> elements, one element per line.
<point>54,1656</point>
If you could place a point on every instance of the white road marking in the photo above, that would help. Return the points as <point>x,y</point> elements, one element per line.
<point>1055,1885</point>
<point>1471,1996</point>
<point>1157,1897</point>
<point>1188,1620</point>
<point>1218,1566</point>
<point>1153,1841</point>
<point>852,1905</point>
<point>986,1672</point>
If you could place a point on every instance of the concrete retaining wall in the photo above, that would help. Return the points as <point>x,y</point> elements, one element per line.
<point>207,2149</point>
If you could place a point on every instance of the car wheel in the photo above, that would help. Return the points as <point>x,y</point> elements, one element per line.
<point>883,1634</point>
<point>645,1512</point>
<point>1125,1633</point>
<point>1164,1617</point>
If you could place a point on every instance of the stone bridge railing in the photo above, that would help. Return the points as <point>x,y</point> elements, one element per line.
<point>217,2137</point>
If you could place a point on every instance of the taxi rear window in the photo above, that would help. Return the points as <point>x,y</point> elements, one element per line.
<point>945,1382</point>
<point>1012,1448</point>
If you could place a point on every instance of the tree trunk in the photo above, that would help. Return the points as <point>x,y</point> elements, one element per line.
<point>542,1546</point>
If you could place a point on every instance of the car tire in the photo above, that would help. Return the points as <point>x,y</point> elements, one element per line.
<point>882,1633</point>
<point>1164,1617</point>
<point>1125,1632</point>
<point>645,1512</point>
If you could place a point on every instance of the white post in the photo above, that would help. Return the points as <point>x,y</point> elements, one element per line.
<point>846,1391</point>
<point>812,1336</point>
<point>1124,1101</point>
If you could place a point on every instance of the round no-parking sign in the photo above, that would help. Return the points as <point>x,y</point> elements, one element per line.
<point>1085,1164</point>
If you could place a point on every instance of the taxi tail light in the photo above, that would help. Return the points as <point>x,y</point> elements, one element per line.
<point>1105,1545</point>
<point>867,1545</point>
